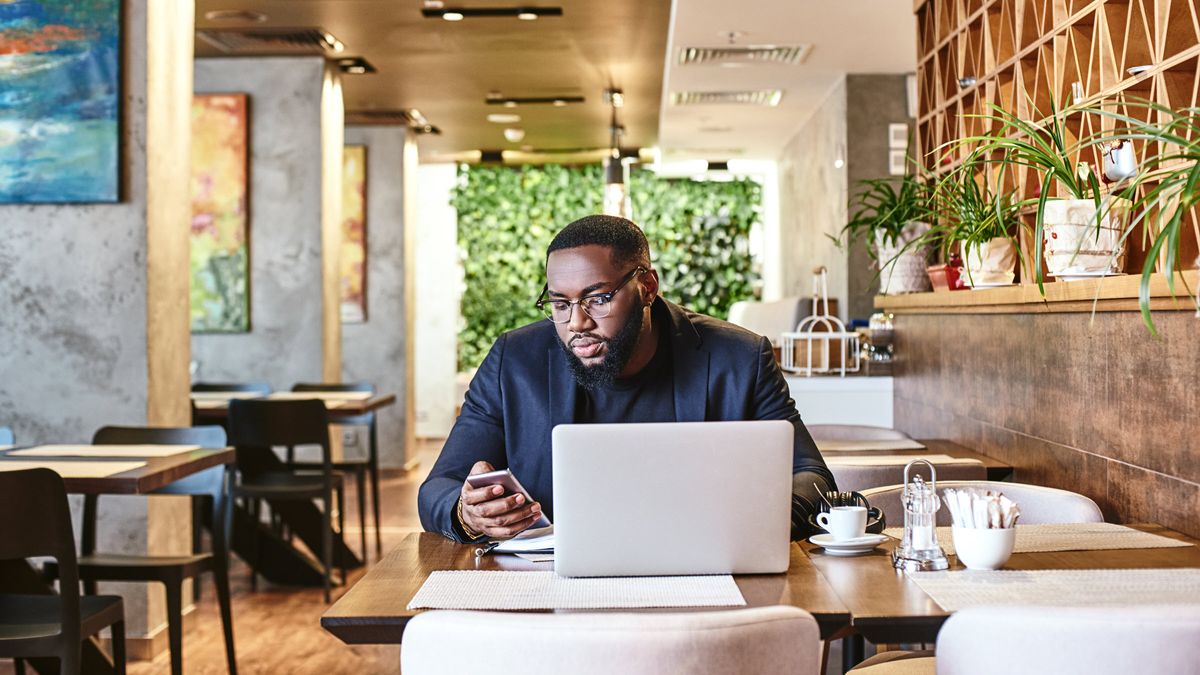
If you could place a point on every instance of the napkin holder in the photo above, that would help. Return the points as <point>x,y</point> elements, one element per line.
<point>919,549</point>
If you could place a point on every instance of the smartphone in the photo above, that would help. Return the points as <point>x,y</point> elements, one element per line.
<point>511,485</point>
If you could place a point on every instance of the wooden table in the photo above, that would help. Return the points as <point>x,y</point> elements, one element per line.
<point>17,576</point>
<point>996,470</point>
<point>209,406</point>
<point>373,611</point>
<point>886,606</point>
<point>158,471</point>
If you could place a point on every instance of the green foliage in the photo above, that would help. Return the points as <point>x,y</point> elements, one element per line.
<point>698,233</point>
<point>884,207</point>
<point>971,212</point>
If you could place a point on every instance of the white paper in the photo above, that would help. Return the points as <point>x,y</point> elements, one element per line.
<point>103,450</point>
<point>479,589</point>
<point>536,557</point>
<point>323,395</point>
<point>223,395</point>
<point>540,540</point>
<point>74,469</point>
<point>896,444</point>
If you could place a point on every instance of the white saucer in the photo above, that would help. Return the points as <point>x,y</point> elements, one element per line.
<point>1081,276</point>
<point>848,547</point>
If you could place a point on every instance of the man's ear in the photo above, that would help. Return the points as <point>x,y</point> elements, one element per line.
<point>649,287</point>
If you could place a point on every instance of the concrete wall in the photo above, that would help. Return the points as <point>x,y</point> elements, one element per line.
<point>439,280</point>
<point>812,200</point>
<point>374,351</point>
<point>81,283</point>
<point>872,102</point>
<point>284,343</point>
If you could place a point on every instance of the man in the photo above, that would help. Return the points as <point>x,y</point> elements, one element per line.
<point>612,351</point>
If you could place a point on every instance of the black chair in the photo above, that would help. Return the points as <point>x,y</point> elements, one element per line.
<point>36,522</point>
<point>210,488</point>
<point>6,436</point>
<point>255,429</point>
<point>358,465</point>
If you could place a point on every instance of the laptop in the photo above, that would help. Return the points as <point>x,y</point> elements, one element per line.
<point>672,498</point>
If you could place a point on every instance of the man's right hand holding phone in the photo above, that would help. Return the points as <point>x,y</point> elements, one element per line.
<point>487,511</point>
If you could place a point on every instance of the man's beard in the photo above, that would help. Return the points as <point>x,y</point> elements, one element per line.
<point>618,350</point>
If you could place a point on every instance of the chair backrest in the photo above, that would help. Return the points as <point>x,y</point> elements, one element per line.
<point>332,386</point>
<point>256,387</point>
<point>861,477</point>
<point>6,436</point>
<point>35,520</point>
<point>1070,640</point>
<point>853,432</point>
<point>1038,504</point>
<point>255,427</point>
<point>757,641</point>
<point>769,319</point>
<point>212,436</point>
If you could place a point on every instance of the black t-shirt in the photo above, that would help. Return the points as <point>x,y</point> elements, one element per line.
<point>648,396</point>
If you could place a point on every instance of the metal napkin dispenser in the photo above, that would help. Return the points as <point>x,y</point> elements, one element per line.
<point>919,549</point>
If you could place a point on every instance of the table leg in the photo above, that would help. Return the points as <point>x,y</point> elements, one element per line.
<point>852,651</point>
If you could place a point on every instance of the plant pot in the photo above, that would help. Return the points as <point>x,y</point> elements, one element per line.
<point>903,272</point>
<point>1074,246</point>
<point>991,263</point>
<point>944,277</point>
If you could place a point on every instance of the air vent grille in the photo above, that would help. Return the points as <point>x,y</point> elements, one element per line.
<point>761,97</point>
<point>270,40</point>
<point>789,56</point>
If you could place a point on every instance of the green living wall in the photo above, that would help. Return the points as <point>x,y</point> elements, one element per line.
<point>698,233</point>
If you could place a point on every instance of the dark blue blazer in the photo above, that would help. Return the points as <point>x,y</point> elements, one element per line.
<point>524,388</point>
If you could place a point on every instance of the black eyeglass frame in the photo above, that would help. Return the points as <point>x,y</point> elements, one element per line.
<point>606,296</point>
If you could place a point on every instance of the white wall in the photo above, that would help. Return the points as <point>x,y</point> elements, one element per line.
<point>438,293</point>
<point>812,200</point>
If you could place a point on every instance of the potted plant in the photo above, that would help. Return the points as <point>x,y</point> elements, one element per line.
<point>1167,189</point>
<point>893,216</point>
<point>1082,233</point>
<point>983,222</point>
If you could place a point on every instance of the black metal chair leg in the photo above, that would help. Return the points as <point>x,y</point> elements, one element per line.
<point>175,624</point>
<point>362,512</point>
<point>327,542</point>
<point>221,580</point>
<point>118,646</point>
<point>374,468</point>
<point>19,666</point>
<point>198,504</point>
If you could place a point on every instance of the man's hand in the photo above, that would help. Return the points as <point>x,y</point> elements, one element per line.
<point>486,511</point>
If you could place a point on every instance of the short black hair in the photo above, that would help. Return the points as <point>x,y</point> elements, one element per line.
<point>623,236</point>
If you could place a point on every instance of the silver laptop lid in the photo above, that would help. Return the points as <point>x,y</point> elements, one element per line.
<point>672,498</point>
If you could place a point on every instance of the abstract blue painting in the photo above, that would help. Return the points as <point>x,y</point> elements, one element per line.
<point>59,92</point>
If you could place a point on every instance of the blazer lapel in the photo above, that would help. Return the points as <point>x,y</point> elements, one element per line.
<point>690,362</point>
<point>561,388</point>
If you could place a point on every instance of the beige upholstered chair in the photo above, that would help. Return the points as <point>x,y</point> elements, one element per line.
<point>854,432</point>
<point>769,319</point>
<point>1038,504</point>
<point>765,640</point>
<point>1060,640</point>
<point>860,477</point>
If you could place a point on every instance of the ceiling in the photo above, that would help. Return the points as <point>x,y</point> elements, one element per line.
<point>447,69</point>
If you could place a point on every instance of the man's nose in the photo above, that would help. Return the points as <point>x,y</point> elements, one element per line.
<point>581,322</point>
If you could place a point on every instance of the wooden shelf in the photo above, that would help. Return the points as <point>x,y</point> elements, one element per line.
<point>1112,294</point>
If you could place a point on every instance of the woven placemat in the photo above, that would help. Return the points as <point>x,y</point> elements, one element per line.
<point>958,589</point>
<point>1067,537</point>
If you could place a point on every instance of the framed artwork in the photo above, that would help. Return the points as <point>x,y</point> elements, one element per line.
<point>354,234</point>
<point>59,101</point>
<point>220,259</point>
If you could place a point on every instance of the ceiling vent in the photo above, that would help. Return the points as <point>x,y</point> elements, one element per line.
<point>762,97</point>
<point>271,41</point>
<point>788,56</point>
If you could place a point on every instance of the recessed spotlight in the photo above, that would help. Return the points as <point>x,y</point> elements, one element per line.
<point>452,16</point>
<point>514,134</point>
<point>510,104</point>
<point>235,15</point>
<point>503,118</point>
<point>355,65</point>
<point>334,43</point>
<point>559,103</point>
<point>527,16</point>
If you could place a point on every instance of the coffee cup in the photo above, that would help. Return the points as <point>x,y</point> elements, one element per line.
<point>844,522</point>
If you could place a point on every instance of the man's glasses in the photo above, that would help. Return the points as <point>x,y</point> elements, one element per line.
<point>597,305</point>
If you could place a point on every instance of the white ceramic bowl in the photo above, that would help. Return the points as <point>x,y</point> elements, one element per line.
<point>983,549</point>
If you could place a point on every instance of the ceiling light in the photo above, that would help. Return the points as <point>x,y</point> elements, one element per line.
<point>614,97</point>
<point>510,104</point>
<point>235,15</point>
<point>558,103</point>
<point>334,43</point>
<point>514,134</point>
<point>431,11</point>
<point>355,65</point>
<point>495,98</point>
<point>503,118</point>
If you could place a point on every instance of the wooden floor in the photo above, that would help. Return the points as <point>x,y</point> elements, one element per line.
<point>277,629</point>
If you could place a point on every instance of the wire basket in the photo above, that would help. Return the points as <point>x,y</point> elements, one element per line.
<point>820,344</point>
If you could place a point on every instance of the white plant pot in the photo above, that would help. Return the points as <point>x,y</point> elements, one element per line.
<point>992,263</point>
<point>903,273</point>
<point>1073,245</point>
